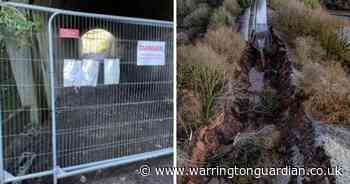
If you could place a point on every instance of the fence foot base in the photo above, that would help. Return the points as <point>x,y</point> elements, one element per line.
<point>7,176</point>
<point>59,172</point>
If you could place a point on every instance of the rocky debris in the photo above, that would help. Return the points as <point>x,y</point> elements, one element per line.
<point>336,143</point>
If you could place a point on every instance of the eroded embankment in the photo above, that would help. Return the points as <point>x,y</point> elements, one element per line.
<point>264,127</point>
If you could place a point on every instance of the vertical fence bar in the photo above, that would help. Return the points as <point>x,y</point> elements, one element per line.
<point>2,175</point>
<point>53,104</point>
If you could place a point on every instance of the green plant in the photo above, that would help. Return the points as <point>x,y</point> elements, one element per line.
<point>202,70</point>
<point>208,80</point>
<point>198,19</point>
<point>16,26</point>
<point>245,3</point>
<point>220,18</point>
<point>312,3</point>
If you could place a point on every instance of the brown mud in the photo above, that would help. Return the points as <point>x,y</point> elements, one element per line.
<point>275,105</point>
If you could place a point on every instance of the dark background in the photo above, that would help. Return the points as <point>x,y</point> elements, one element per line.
<point>152,9</point>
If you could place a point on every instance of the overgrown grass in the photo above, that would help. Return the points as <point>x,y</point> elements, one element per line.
<point>297,19</point>
<point>202,70</point>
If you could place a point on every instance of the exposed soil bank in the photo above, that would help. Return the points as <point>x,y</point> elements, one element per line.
<point>264,128</point>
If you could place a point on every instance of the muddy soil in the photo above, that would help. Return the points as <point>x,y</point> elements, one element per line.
<point>271,103</point>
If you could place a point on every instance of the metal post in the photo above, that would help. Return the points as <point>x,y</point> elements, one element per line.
<point>2,176</point>
<point>53,104</point>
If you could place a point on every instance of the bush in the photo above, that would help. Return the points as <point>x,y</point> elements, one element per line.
<point>197,20</point>
<point>220,18</point>
<point>328,87</point>
<point>245,3</point>
<point>277,4</point>
<point>226,43</point>
<point>308,50</point>
<point>297,20</point>
<point>312,3</point>
<point>202,70</point>
<point>232,7</point>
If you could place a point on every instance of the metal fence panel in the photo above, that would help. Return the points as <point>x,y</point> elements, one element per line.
<point>106,121</point>
<point>24,88</point>
<point>47,124</point>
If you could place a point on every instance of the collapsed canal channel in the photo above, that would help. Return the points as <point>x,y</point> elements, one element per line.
<point>264,127</point>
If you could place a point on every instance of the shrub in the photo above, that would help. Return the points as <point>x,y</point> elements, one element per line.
<point>297,20</point>
<point>201,69</point>
<point>232,7</point>
<point>226,43</point>
<point>197,20</point>
<point>328,87</point>
<point>307,49</point>
<point>220,18</point>
<point>245,3</point>
<point>312,3</point>
<point>277,4</point>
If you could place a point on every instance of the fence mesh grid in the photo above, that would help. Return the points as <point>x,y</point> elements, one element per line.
<point>26,120</point>
<point>94,122</point>
<point>106,121</point>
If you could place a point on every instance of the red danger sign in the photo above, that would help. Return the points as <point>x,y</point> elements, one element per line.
<point>69,33</point>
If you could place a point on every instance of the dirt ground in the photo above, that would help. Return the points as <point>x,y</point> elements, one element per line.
<point>125,174</point>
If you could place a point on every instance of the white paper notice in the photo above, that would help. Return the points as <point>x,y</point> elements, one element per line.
<point>111,71</point>
<point>150,53</point>
<point>89,72</point>
<point>71,72</point>
<point>80,73</point>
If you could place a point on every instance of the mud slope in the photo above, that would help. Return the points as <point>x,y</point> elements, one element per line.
<point>264,127</point>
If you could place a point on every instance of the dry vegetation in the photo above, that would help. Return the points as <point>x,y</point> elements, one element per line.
<point>322,55</point>
<point>202,70</point>
<point>328,87</point>
<point>297,19</point>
